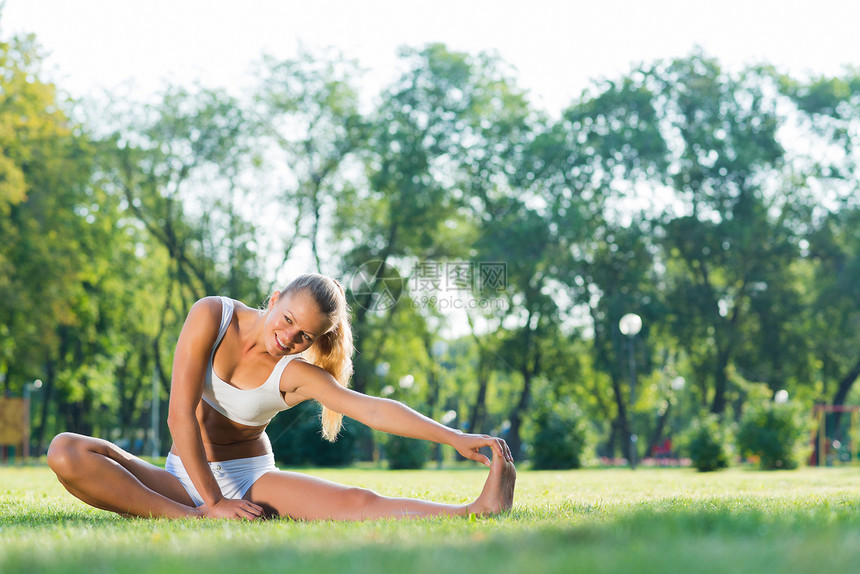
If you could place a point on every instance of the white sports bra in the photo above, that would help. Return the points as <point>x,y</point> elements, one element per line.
<point>252,407</point>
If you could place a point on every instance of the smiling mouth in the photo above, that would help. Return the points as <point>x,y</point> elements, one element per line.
<point>280,345</point>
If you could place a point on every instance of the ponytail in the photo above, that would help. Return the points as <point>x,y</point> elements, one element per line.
<point>333,350</point>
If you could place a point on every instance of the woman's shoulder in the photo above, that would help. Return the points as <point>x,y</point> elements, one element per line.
<point>213,304</point>
<point>205,314</point>
<point>207,306</point>
<point>240,307</point>
<point>299,373</point>
<point>202,324</point>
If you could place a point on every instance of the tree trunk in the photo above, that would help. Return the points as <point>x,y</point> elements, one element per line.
<point>616,430</point>
<point>718,405</point>
<point>513,439</point>
<point>529,369</point>
<point>622,423</point>
<point>842,390</point>
<point>479,409</point>
<point>657,435</point>
<point>48,386</point>
<point>359,379</point>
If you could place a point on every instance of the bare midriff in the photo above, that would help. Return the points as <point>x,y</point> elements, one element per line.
<point>224,439</point>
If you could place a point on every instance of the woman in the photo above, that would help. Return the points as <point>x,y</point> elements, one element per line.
<point>233,370</point>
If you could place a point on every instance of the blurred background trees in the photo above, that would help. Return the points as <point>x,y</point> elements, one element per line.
<point>489,249</point>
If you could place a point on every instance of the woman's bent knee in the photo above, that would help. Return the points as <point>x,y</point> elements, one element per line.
<point>65,448</point>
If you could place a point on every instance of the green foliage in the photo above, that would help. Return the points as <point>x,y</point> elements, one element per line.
<point>310,115</point>
<point>772,432</point>
<point>297,440</point>
<point>740,250</point>
<point>707,443</point>
<point>560,435</point>
<point>405,453</point>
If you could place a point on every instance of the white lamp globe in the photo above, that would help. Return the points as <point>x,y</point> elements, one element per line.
<point>630,324</point>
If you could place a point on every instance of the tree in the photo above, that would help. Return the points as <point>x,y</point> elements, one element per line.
<point>588,166</point>
<point>415,210</point>
<point>179,166</point>
<point>828,113</point>
<point>729,242</point>
<point>74,305</point>
<point>309,107</point>
<point>44,224</point>
<point>833,311</point>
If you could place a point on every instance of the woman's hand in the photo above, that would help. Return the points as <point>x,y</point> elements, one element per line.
<point>231,508</point>
<point>468,445</point>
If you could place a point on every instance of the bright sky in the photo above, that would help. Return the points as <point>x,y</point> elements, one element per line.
<point>555,45</point>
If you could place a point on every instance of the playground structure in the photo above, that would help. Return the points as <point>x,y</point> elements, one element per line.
<point>827,450</point>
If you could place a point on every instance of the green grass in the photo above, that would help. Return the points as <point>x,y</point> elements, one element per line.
<point>591,521</point>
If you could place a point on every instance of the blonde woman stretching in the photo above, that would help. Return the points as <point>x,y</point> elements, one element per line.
<point>235,368</point>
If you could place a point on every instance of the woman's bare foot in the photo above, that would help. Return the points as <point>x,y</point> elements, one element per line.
<point>498,493</point>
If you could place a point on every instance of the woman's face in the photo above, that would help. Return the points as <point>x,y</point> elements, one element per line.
<point>293,323</point>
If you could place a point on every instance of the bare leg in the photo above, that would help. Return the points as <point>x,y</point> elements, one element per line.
<point>309,498</point>
<point>105,476</point>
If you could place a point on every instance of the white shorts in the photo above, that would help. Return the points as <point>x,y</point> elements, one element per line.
<point>234,477</point>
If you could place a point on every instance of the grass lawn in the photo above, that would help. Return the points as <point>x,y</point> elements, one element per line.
<point>593,521</point>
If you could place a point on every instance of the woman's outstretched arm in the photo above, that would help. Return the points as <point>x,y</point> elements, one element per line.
<point>386,415</point>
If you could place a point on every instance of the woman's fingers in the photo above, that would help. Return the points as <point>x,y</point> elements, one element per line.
<point>507,451</point>
<point>253,510</point>
<point>501,449</point>
<point>235,508</point>
<point>474,443</point>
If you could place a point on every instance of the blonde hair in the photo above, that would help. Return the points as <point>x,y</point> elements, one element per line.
<point>333,350</point>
